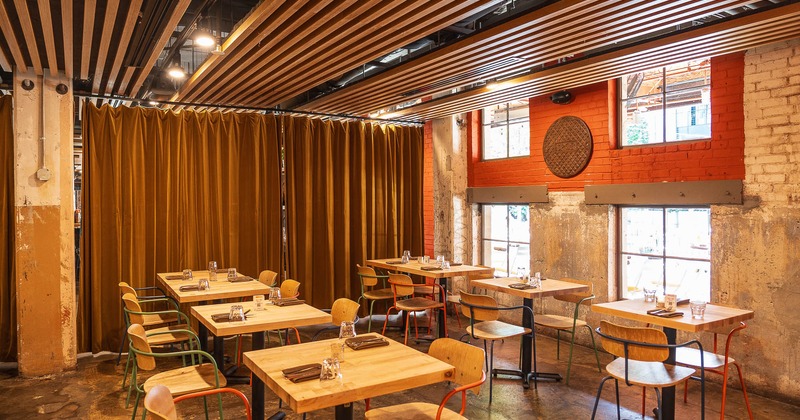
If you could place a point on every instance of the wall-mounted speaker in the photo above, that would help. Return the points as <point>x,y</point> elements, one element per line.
<point>561,98</point>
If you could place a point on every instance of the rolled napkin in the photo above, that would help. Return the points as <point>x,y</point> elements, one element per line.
<point>174,277</point>
<point>431,268</point>
<point>393,262</point>
<point>240,279</point>
<point>303,372</point>
<point>189,288</point>
<point>289,302</point>
<point>361,343</point>
<point>455,264</point>
<point>226,317</point>
<point>222,271</point>
<point>521,286</point>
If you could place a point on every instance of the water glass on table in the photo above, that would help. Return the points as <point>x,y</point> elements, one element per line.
<point>231,274</point>
<point>237,313</point>
<point>346,330</point>
<point>202,284</point>
<point>187,274</point>
<point>212,266</point>
<point>698,308</point>
<point>330,369</point>
<point>406,257</point>
<point>274,295</point>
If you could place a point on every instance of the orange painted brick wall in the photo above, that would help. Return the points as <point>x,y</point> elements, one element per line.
<point>427,190</point>
<point>720,158</point>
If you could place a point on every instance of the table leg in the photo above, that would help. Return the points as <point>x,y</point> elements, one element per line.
<point>219,352</point>
<point>257,397</point>
<point>202,335</point>
<point>344,412</point>
<point>441,326</point>
<point>668,393</point>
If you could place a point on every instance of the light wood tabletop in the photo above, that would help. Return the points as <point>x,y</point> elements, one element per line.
<point>414,267</point>
<point>365,373</point>
<point>220,289</point>
<point>550,287</point>
<point>272,318</point>
<point>636,309</point>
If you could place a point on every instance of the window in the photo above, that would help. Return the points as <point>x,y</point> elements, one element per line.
<point>651,114</point>
<point>506,238</point>
<point>506,131</point>
<point>668,247</point>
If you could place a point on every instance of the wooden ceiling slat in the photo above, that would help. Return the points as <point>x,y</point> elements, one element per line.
<point>89,7</point>
<point>30,36</point>
<point>723,38</point>
<point>13,45</point>
<point>66,35</point>
<point>550,37</point>
<point>126,78</point>
<point>158,46</point>
<point>105,42</point>
<point>134,8</point>
<point>362,48</point>
<point>5,65</point>
<point>49,39</point>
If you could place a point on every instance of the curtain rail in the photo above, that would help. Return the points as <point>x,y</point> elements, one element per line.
<point>248,108</point>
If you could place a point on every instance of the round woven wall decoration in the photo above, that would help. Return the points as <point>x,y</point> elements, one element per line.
<point>567,146</point>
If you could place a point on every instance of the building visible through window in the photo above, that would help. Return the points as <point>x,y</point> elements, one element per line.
<point>506,130</point>
<point>506,238</point>
<point>667,249</point>
<point>666,104</point>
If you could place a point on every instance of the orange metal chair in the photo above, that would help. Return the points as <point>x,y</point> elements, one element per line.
<point>161,406</point>
<point>404,300</point>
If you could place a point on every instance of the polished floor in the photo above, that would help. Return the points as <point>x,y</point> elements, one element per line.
<point>93,392</point>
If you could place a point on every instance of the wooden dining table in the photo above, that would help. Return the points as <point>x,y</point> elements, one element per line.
<point>550,287</point>
<point>430,270</point>
<point>220,289</point>
<point>365,373</point>
<point>636,309</point>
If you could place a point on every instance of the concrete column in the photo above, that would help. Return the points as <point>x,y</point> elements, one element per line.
<point>452,220</point>
<point>44,224</point>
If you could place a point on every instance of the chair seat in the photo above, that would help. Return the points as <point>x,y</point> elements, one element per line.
<point>691,357</point>
<point>411,411</point>
<point>418,304</point>
<point>497,330</point>
<point>652,374</point>
<point>378,294</point>
<point>156,340</point>
<point>149,320</point>
<point>185,380</point>
<point>558,322</point>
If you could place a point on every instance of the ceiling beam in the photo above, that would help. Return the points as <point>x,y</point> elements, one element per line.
<point>30,37</point>
<point>105,42</point>
<point>49,38</point>
<point>89,7</point>
<point>66,29</point>
<point>124,44</point>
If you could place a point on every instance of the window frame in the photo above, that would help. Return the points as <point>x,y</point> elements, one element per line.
<point>507,240</point>
<point>620,254</point>
<point>508,122</point>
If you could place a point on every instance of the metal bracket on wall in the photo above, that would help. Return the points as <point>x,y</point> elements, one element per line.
<point>508,195</point>
<point>666,193</point>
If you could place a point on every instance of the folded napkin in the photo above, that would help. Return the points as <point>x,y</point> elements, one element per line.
<point>361,343</point>
<point>225,317</point>
<point>431,268</point>
<point>303,372</point>
<point>222,270</point>
<point>395,262</point>
<point>455,264</point>
<point>188,288</point>
<point>289,302</point>
<point>521,286</point>
<point>665,314</point>
<point>240,279</point>
<point>174,277</point>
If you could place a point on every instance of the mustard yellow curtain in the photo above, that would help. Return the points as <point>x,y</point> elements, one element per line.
<point>8,294</point>
<point>353,192</point>
<point>165,191</point>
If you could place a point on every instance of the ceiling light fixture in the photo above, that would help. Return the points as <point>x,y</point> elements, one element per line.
<point>204,39</point>
<point>218,50</point>
<point>176,72</point>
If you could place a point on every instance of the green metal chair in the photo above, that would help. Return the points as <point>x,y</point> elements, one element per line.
<point>369,291</point>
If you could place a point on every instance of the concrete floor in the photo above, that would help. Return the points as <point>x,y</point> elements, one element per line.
<point>93,392</point>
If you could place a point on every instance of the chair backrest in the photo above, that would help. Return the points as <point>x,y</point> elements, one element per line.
<point>468,300</point>
<point>290,288</point>
<point>727,331</point>
<point>467,359</point>
<point>268,277</point>
<point>577,296</point>
<point>367,275</point>
<point>343,309</point>
<point>612,334</point>
<point>132,305</point>
<point>402,285</point>
<point>159,404</point>
<point>124,287</point>
<point>139,342</point>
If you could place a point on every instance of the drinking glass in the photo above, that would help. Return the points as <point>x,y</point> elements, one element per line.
<point>445,265</point>
<point>259,302</point>
<point>187,274</point>
<point>426,259</point>
<point>202,284</point>
<point>237,313</point>
<point>212,275</point>
<point>212,266</point>
<point>698,308</point>
<point>330,369</point>
<point>406,256</point>
<point>274,295</point>
<point>649,290</point>
<point>536,280</point>
<point>337,351</point>
<point>347,329</point>
<point>231,274</point>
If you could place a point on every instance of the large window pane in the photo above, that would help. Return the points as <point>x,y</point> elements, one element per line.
<point>688,233</point>
<point>643,122</point>
<point>639,271</point>
<point>497,226</point>
<point>506,238</point>
<point>642,231</point>
<point>495,254</point>
<point>690,279</point>
<point>506,130</point>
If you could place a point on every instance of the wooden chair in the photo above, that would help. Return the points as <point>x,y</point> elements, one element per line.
<point>290,289</point>
<point>180,381</point>
<point>158,335</point>
<point>161,406</point>
<point>713,361</point>
<point>161,296</point>
<point>469,375</point>
<point>404,300</point>
<point>369,291</point>
<point>342,310</point>
<point>641,353</point>
<point>453,297</point>
<point>268,278</point>
<point>484,324</point>
<point>570,324</point>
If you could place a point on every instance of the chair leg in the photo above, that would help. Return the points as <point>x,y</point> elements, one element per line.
<point>127,367</point>
<point>371,308</point>
<point>644,400</point>
<point>616,390</point>
<point>597,397</point>
<point>491,370</point>
<point>408,326</point>
<point>558,345</point>
<point>744,391</point>
<point>296,333</point>
<point>658,400</point>
<point>386,321</point>
<point>455,310</point>
<point>121,347</point>
<point>594,347</point>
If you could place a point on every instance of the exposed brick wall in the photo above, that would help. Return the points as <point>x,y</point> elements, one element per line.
<point>721,158</point>
<point>427,189</point>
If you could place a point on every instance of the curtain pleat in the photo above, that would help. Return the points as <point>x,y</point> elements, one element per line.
<point>8,294</point>
<point>354,192</point>
<point>164,191</point>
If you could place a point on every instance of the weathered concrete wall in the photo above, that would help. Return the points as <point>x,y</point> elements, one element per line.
<point>43,225</point>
